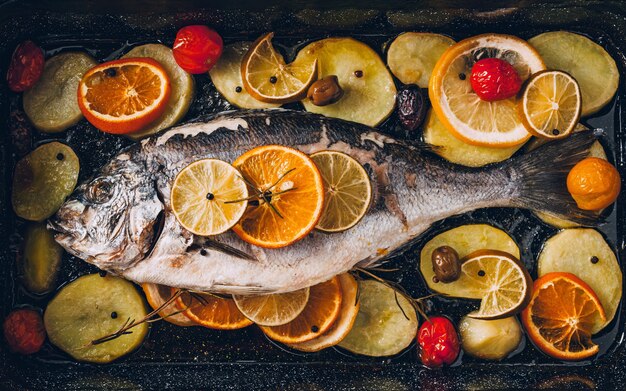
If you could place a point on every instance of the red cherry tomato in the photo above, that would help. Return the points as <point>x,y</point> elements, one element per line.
<point>26,66</point>
<point>24,331</point>
<point>197,48</point>
<point>494,79</point>
<point>438,341</point>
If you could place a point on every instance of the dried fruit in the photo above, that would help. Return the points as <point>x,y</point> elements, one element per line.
<point>494,79</point>
<point>594,183</point>
<point>24,331</point>
<point>26,66</point>
<point>325,91</point>
<point>197,48</point>
<point>446,264</point>
<point>412,108</point>
<point>438,342</point>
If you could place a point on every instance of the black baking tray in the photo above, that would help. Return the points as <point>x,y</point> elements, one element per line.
<point>196,358</point>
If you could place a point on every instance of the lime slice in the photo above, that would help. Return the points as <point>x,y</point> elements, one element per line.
<point>348,191</point>
<point>182,87</point>
<point>51,105</point>
<point>591,65</point>
<point>92,307</point>
<point>381,327</point>
<point>273,309</point>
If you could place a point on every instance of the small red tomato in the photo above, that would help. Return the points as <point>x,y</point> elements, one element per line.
<point>26,66</point>
<point>197,48</point>
<point>495,79</point>
<point>24,331</point>
<point>438,341</point>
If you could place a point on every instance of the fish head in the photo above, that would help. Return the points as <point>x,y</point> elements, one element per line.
<point>112,219</point>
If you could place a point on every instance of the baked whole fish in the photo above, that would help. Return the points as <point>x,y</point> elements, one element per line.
<point>121,221</point>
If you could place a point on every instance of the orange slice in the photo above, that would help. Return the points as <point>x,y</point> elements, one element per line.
<point>290,196</point>
<point>317,317</point>
<point>462,112</point>
<point>124,96</point>
<point>273,309</point>
<point>561,314</point>
<point>157,295</point>
<point>212,311</point>
<point>268,78</point>
<point>342,326</point>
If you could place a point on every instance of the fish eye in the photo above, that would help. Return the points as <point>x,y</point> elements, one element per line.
<point>100,190</point>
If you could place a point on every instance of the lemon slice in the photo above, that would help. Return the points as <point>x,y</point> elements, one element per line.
<point>226,76</point>
<point>385,325</point>
<point>208,197</point>
<point>573,251</point>
<point>347,190</point>
<point>274,309</point>
<point>465,240</point>
<point>181,82</point>
<point>500,280</point>
<point>268,78</point>
<point>551,104</point>
<point>369,92</point>
<point>463,113</point>
<point>412,56</point>
<point>591,65</point>
<point>458,151</point>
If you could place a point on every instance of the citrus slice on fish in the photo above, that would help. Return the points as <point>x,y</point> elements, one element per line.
<point>289,193</point>
<point>208,197</point>
<point>342,326</point>
<point>317,317</point>
<point>551,104</point>
<point>268,78</point>
<point>501,281</point>
<point>347,190</point>
<point>461,111</point>
<point>211,311</point>
<point>273,309</point>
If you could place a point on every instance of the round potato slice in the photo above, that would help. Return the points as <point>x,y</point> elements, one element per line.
<point>459,152</point>
<point>182,87</point>
<point>465,239</point>
<point>92,307</point>
<point>41,259</point>
<point>369,91</point>
<point>226,76</point>
<point>42,180</point>
<point>593,68</point>
<point>412,56</point>
<point>381,328</point>
<point>51,105</point>
<point>584,253</point>
<point>596,150</point>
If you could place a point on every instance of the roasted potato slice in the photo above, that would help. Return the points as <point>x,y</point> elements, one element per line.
<point>40,260</point>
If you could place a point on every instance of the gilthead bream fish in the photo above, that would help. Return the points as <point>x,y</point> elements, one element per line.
<point>121,220</point>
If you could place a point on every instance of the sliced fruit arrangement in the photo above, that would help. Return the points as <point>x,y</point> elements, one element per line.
<point>490,339</point>
<point>551,104</point>
<point>182,87</point>
<point>42,180</point>
<point>347,190</point>
<point>226,76</point>
<point>40,259</point>
<point>465,240</point>
<point>51,103</point>
<point>290,194</point>
<point>317,317</point>
<point>585,253</point>
<point>274,309</point>
<point>212,311</point>
<point>124,96</point>
<point>386,323</point>
<point>350,305</point>
<point>369,91</point>
<point>591,65</point>
<point>268,78</point>
<point>209,197</point>
<point>561,315</point>
<point>157,296</point>
<point>412,56</point>
<point>500,279</point>
<point>594,183</point>
<point>88,308</point>
<point>457,151</point>
<point>452,88</point>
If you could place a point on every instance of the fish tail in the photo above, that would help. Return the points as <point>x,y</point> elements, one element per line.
<point>541,178</point>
